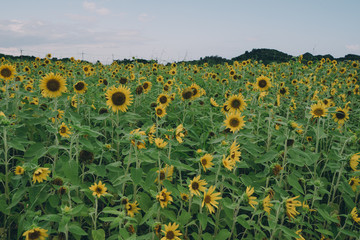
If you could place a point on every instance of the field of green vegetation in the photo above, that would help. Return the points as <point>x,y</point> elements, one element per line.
<point>238,150</point>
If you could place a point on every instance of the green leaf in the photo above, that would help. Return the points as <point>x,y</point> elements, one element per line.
<point>136,175</point>
<point>223,234</point>
<point>98,234</point>
<point>325,232</point>
<point>267,157</point>
<point>327,216</point>
<point>71,171</point>
<point>241,219</point>
<point>288,232</point>
<point>293,181</point>
<point>16,145</point>
<point>36,151</point>
<point>184,218</point>
<point>76,230</point>
<point>202,219</point>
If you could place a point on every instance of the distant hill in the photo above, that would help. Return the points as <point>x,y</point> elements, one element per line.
<point>262,55</point>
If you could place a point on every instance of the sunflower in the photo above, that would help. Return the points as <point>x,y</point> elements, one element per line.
<point>187,94</point>
<point>172,71</point>
<point>64,130</point>
<point>80,87</point>
<point>234,152</point>
<point>163,100</point>
<point>7,72</point>
<point>354,182</point>
<point>267,205</point>
<point>180,133</point>
<point>98,189</point>
<point>210,199</point>
<point>171,232</point>
<point>184,197</point>
<point>228,163</point>
<point>355,215</point>
<point>298,232</point>
<point>341,115</point>
<point>131,208</point>
<point>236,103</point>
<point>291,205</point>
<point>284,91</point>
<point>157,230</point>
<point>251,199</point>
<point>19,170</point>
<point>318,110</point>
<point>160,143</point>
<point>263,83</point>
<point>196,91</point>
<point>165,173</point>
<point>196,184</point>
<point>52,85</point>
<point>35,234</point>
<point>40,174</point>
<point>118,98</point>
<point>206,161</point>
<point>164,198</point>
<point>147,86</point>
<point>234,121</point>
<point>354,161</point>
<point>213,102</point>
<point>160,111</point>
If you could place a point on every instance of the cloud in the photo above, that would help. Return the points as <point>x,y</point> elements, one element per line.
<point>353,47</point>
<point>92,7</point>
<point>10,51</point>
<point>144,17</point>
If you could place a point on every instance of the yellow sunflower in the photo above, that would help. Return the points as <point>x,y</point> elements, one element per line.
<point>35,234</point>
<point>341,115</point>
<point>160,143</point>
<point>291,205</point>
<point>64,130</point>
<point>235,152</point>
<point>318,110</point>
<point>355,215</point>
<point>196,91</point>
<point>80,87</point>
<point>40,174</point>
<point>213,102</point>
<point>267,205</point>
<point>131,208</point>
<point>147,86</point>
<point>98,189</point>
<point>19,170</point>
<point>234,121</point>
<point>206,161</point>
<point>210,199</point>
<point>164,198</point>
<point>165,173</point>
<point>163,100</point>
<point>251,199</point>
<point>197,185</point>
<point>52,85</point>
<point>236,103</point>
<point>354,161</point>
<point>118,98</point>
<point>186,94</point>
<point>160,111</point>
<point>171,232</point>
<point>7,72</point>
<point>228,163</point>
<point>263,83</point>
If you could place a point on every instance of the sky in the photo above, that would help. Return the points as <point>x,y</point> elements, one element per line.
<point>169,30</point>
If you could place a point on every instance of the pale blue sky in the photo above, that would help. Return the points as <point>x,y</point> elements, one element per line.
<point>176,30</point>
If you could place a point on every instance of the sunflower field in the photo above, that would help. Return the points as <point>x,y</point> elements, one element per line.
<point>179,151</point>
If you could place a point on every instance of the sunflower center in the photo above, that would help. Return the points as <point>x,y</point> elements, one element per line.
<point>187,94</point>
<point>6,72</point>
<point>37,173</point>
<point>207,199</point>
<point>159,111</point>
<point>203,162</point>
<point>282,90</point>
<point>195,91</point>
<point>340,115</point>
<point>129,207</point>
<point>318,112</point>
<point>163,99</point>
<point>195,185</point>
<point>234,122</point>
<point>146,85</point>
<point>262,83</point>
<point>236,103</point>
<point>63,129</point>
<point>53,85</point>
<point>162,175</point>
<point>118,98</point>
<point>184,198</point>
<point>163,197</point>
<point>34,235</point>
<point>170,235</point>
<point>79,86</point>
<point>98,190</point>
